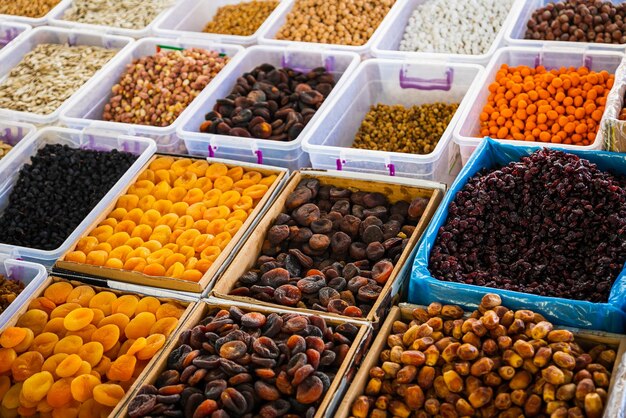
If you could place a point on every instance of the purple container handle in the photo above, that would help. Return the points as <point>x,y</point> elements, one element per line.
<point>392,169</point>
<point>329,64</point>
<point>340,164</point>
<point>444,84</point>
<point>211,151</point>
<point>259,156</point>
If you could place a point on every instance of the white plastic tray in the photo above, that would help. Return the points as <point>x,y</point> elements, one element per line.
<point>268,33</point>
<point>56,19</point>
<point>10,31</point>
<point>142,147</point>
<point>12,55</point>
<point>514,33</point>
<point>188,17</point>
<point>15,134</point>
<point>35,21</point>
<point>31,274</point>
<point>262,151</point>
<point>467,130</point>
<point>386,45</point>
<point>86,110</point>
<point>392,82</point>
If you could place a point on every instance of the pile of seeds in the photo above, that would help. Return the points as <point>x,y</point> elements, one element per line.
<point>127,14</point>
<point>49,74</point>
<point>28,8</point>
<point>241,19</point>
<point>414,130</point>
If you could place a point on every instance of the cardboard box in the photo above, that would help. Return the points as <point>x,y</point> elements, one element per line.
<point>220,263</point>
<point>338,385</point>
<point>52,279</point>
<point>615,403</point>
<point>394,188</point>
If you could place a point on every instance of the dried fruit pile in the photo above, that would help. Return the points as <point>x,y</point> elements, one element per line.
<point>76,351</point>
<point>497,362</point>
<point>175,220</point>
<point>332,249</point>
<point>243,364</point>
<point>9,290</point>
<point>56,191</point>
<point>552,224</point>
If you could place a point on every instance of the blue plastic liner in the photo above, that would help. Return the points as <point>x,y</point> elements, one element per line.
<point>423,288</point>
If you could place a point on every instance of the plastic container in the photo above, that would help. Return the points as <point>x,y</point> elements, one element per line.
<point>35,21</point>
<point>467,130</point>
<point>261,151</point>
<point>86,110</point>
<point>10,31</point>
<point>31,274</point>
<point>268,33</point>
<point>12,55</point>
<point>188,17</point>
<point>14,134</point>
<point>423,288</point>
<point>142,147</point>
<point>391,82</point>
<point>56,19</point>
<point>387,44</point>
<point>514,32</point>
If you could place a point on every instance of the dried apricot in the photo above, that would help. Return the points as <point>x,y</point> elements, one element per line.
<point>26,365</point>
<point>114,351</point>
<point>68,345</point>
<point>55,326</point>
<point>82,387</point>
<point>122,368</point>
<point>155,270</point>
<point>52,362</point>
<point>86,244</point>
<point>169,310</point>
<point>103,366</point>
<point>61,311</point>
<point>135,264</point>
<point>176,270</point>
<point>164,326</point>
<point>69,366</point>
<point>36,387</point>
<point>108,394</point>
<point>25,403</point>
<point>216,170</point>
<point>119,319</point>
<point>12,336</point>
<point>107,335</point>
<point>11,399</point>
<point>125,226</point>
<point>60,393</point>
<point>235,173</point>
<point>70,410</point>
<point>127,201</point>
<point>78,319</point>
<point>44,343</point>
<point>121,252</point>
<point>85,368</point>
<point>76,257</point>
<point>198,167</point>
<point>91,353</point>
<point>42,303</point>
<point>81,295</point>
<point>161,163</point>
<point>43,407</point>
<point>119,214</point>
<point>5,384</point>
<point>125,304</point>
<point>98,316</point>
<point>148,304</point>
<point>140,325</point>
<point>114,263</point>
<point>103,301</point>
<point>153,344</point>
<point>145,204</point>
<point>84,333</point>
<point>26,342</point>
<point>7,357</point>
<point>134,346</point>
<point>192,275</point>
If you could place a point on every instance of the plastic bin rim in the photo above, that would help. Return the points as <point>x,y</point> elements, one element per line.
<point>34,20</point>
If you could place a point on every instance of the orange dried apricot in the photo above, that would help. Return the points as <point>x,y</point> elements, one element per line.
<point>235,173</point>
<point>179,208</point>
<point>119,214</point>
<point>269,180</point>
<point>192,275</point>
<point>91,352</point>
<point>164,326</point>
<point>26,365</point>
<point>156,270</point>
<point>98,316</point>
<point>85,368</point>
<point>7,357</point>
<point>186,180</point>
<point>97,258</point>
<point>61,311</point>
<point>56,327</point>
<point>140,325</point>
<point>78,319</point>
<point>153,344</point>
<point>211,253</point>
<point>176,258</point>
<point>135,264</point>
<point>68,345</point>
<point>176,270</point>
<point>161,233</point>
<point>117,239</point>
<point>103,246</point>
<point>159,256</point>
<point>216,170</point>
<point>82,387</point>
<point>140,252</point>
<point>135,346</point>
<point>196,210</point>
<point>163,175</point>
<point>244,203</point>
<point>218,212</point>
<point>141,188</point>
<point>52,362</point>
<point>120,253</point>
<point>108,394</point>
<point>212,198</point>
<point>11,399</point>
<point>176,194</point>
<point>33,319</point>
<point>221,240</point>
<point>203,265</point>
<point>5,385</point>
<point>81,295</point>
<point>125,304</point>
<point>44,343</point>
<point>60,393</point>
<point>84,333</point>
<point>198,167</point>
<point>25,403</point>
<point>69,410</point>
<point>205,184</point>
<point>160,192</point>
<point>86,244</point>
<point>145,204</point>
<point>242,184</point>
<point>134,243</point>
<point>102,232</point>
<point>114,351</point>
<point>216,226</point>
<point>161,163</point>
<point>122,368</point>
<point>42,303</point>
<point>141,232</point>
<point>24,411</point>
<point>107,335</point>
<point>69,366</point>
<point>253,176</point>
<point>169,310</point>
<point>194,196</point>
<point>43,407</point>
<point>127,201</point>
<point>134,215</point>
<point>147,304</point>
<point>12,336</point>
<point>114,263</point>
<point>256,192</point>
<point>76,257</point>
<point>26,342</point>
<point>224,183</point>
<point>125,226</point>
<point>58,292</point>
<point>238,215</point>
<point>103,365</point>
<point>103,301</point>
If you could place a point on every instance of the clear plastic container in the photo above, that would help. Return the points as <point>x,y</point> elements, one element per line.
<point>10,31</point>
<point>86,110</point>
<point>467,130</point>
<point>56,19</point>
<point>387,44</point>
<point>14,134</point>
<point>13,54</point>
<point>188,17</point>
<point>514,32</point>
<point>31,274</point>
<point>268,33</point>
<point>142,147</point>
<point>391,82</point>
<point>35,21</point>
<point>262,151</point>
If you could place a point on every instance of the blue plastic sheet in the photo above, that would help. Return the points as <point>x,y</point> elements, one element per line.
<point>423,288</point>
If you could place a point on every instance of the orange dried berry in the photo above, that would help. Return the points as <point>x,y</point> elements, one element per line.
<point>60,394</point>
<point>61,311</point>
<point>81,295</point>
<point>140,325</point>
<point>12,336</point>
<point>122,368</point>
<point>127,201</point>
<point>69,366</point>
<point>103,301</point>
<point>55,326</point>
<point>82,387</point>
<point>256,192</point>
<point>125,304</point>
<point>26,365</point>
<point>102,232</point>
<point>106,335</point>
<point>91,353</point>
<point>84,333</point>
<point>42,303</point>
<point>58,292</point>
<point>108,394</point>
<point>33,319</point>
<point>164,326</point>
<point>86,244</point>
<point>7,357</point>
<point>135,346</point>
<point>153,344</point>
<point>78,319</point>
<point>76,257</point>
<point>26,342</point>
<point>11,399</point>
<point>97,258</point>
<point>68,345</point>
<point>169,310</point>
<point>44,343</point>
